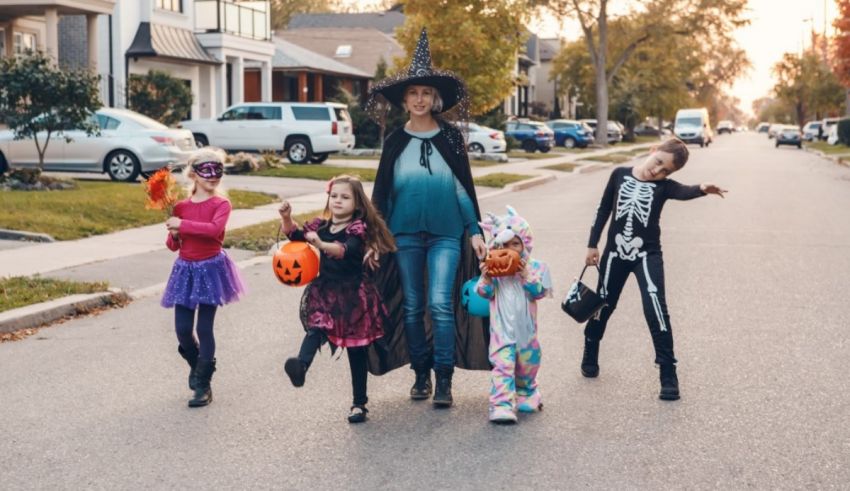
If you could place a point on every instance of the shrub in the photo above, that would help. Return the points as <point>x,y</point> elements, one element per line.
<point>160,96</point>
<point>270,160</point>
<point>844,131</point>
<point>242,163</point>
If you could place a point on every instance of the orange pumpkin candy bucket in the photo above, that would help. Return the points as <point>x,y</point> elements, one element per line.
<point>295,264</point>
<point>502,262</point>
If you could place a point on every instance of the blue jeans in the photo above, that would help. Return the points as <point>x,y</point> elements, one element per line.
<point>441,255</point>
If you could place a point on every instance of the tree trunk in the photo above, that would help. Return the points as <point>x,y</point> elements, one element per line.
<point>847,102</point>
<point>601,105</point>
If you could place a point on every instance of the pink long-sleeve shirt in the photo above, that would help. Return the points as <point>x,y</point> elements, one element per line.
<point>201,228</point>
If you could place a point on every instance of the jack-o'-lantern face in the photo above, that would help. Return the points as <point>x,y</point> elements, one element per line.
<point>295,264</point>
<point>502,262</point>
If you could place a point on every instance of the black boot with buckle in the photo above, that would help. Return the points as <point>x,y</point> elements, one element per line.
<point>191,357</point>
<point>203,374</point>
<point>443,391</point>
<point>590,359</point>
<point>669,383</point>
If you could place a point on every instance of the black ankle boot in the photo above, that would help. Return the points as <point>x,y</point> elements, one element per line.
<point>191,358</point>
<point>422,386</point>
<point>443,391</point>
<point>669,383</point>
<point>297,371</point>
<point>203,374</point>
<point>590,359</point>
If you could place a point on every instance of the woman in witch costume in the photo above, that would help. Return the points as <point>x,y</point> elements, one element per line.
<point>424,190</point>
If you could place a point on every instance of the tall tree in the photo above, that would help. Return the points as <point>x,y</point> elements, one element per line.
<point>658,20</point>
<point>806,84</point>
<point>283,10</point>
<point>841,48</point>
<point>38,99</point>
<point>477,39</point>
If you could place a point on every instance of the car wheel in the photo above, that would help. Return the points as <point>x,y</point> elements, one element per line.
<point>122,165</point>
<point>318,158</point>
<point>201,140</point>
<point>570,142</point>
<point>476,147</point>
<point>545,149</point>
<point>4,166</point>
<point>529,146</point>
<point>299,151</point>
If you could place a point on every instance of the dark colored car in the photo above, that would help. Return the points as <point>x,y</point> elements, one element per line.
<point>644,129</point>
<point>570,134</point>
<point>789,135</point>
<point>531,135</point>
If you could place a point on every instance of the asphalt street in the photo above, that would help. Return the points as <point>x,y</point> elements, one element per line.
<point>756,285</point>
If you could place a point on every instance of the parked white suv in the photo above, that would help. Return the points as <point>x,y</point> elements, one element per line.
<point>306,131</point>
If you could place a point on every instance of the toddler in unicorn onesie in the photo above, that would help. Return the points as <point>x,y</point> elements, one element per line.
<point>514,348</point>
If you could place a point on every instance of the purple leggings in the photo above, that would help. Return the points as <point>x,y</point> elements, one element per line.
<point>184,324</point>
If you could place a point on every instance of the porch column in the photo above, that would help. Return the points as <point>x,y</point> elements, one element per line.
<point>9,34</point>
<point>51,18</point>
<point>91,36</point>
<point>266,82</point>
<point>238,75</point>
<point>302,86</point>
<point>318,92</point>
<point>220,83</point>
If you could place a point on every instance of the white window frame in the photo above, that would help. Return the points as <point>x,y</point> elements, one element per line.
<point>18,47</point>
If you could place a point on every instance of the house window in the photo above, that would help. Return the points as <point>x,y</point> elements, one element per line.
<point>2,43</point>
<point>172,5</point>
<point>343,51</point>
<point>24,42</point>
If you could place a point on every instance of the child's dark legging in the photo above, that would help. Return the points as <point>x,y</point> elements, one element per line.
<point>184,323</point>
<point>648,268</point>
<point>357,363</point>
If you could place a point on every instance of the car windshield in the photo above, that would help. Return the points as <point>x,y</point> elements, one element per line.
<point>695,121</point>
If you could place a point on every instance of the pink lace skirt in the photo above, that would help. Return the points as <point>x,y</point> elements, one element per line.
<point>349,311</point>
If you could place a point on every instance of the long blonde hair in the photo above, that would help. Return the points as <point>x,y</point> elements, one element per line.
<point>206,154</point>
<point>378,235</point>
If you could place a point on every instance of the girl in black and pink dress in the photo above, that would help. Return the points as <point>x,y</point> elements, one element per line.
<point>342,305</point>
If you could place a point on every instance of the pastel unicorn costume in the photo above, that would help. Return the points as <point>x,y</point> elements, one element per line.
<point>514,348</point>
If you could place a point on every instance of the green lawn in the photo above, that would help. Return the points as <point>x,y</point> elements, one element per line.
<point>619,157</point>
<point>827,148</point>
<point>19,291</point>
<point>484,163</point>
<point>94,208</point>
<point>562,167</point>
<point>318,172</point>
<point>521,154</point>
<point>262,236</point>
<point>337,156</point>
<point>499,179</point>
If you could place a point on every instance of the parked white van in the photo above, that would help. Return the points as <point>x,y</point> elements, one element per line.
<point>306,131</point>
<point>693,126</point>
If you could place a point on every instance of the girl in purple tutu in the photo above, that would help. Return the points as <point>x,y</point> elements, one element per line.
<point>203,276</point>
<point>342,305</point>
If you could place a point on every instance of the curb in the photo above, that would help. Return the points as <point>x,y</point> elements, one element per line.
<point>520,186</point>
<point>826,156</point>
<point>6,234</point>
<point>46,312</point>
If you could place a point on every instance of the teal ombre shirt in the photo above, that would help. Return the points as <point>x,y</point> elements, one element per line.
<point>434,202</point>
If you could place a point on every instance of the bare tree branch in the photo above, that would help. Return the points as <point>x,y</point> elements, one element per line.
<point>624,56</point>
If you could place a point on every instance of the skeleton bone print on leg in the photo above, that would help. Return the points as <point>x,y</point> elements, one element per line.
<point>634,199</point>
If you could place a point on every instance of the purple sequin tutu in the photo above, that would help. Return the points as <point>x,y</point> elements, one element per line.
<point>213,281</point>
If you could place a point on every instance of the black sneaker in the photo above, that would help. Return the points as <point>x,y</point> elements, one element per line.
<point>669,383</point>
<point>357,414</point>
<point>297,371</point>
<point>590,359</point>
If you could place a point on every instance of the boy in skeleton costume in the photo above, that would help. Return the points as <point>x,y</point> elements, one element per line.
<point>636,196</point>
<point>514,349</point>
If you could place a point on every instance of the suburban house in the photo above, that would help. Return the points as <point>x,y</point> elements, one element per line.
<point>525,73</point>
<point>546,93</point>
<point>222,49</point>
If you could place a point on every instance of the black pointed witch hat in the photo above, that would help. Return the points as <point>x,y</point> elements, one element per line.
<point>421,72</point>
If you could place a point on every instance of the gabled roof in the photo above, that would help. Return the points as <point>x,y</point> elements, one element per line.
<point>290,56</point>
<point>385,22</point>
<point>367,45</point>
<point>168,42</point>
<point>549,48</point>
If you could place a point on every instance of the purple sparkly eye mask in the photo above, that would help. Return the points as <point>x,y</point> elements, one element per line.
<point>209,170</point>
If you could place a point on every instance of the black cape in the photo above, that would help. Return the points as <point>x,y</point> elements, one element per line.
<point>472,334</point>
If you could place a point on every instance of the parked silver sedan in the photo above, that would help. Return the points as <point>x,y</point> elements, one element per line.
<point>129,144</point>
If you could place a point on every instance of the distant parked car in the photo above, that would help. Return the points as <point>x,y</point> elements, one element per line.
<point>762,127</point>
<point>832,137</point>
<point>531,135</point>
<point>306,131</point>
<point>129,144</point>
<point>693,126</point>
<point>570,133</point>
<point>644,129</point>
<point>789,135</point>
<point>810,131</point>
<point>615,135</point>
<point>827,124</point>
<point>725,126</point>
<point>771,131</point>
<point>486,140</point>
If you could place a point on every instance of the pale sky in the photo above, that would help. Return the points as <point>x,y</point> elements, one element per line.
<point>776,27</point>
